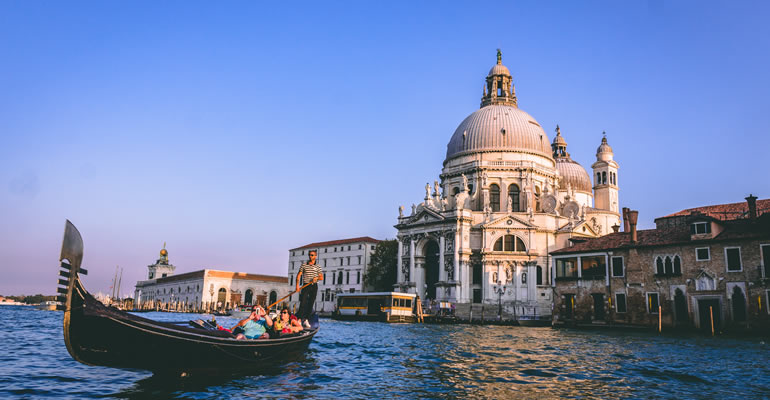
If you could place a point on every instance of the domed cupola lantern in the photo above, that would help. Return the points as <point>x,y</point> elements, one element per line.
<point>573,175</point>
<point>499,88</point>
<point>559,145</point>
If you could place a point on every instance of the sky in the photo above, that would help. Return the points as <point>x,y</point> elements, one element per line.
<point>235,131</point>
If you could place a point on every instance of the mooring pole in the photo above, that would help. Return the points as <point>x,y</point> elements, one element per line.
<point>711,313</point>
<point>660,319</point>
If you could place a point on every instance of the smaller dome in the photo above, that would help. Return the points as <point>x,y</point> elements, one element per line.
<point>573,174</point>
<point>604,147</point>
<point>499,69</point>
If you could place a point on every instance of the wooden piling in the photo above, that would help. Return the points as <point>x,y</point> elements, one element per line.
<point>711,313</point>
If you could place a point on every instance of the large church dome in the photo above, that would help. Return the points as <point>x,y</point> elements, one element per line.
<point>499,128</point>
<point>499,125</point>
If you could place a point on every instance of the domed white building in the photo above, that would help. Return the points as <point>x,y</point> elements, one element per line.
<point>506,196</point>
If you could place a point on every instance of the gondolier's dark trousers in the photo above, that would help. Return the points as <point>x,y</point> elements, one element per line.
<point>306,300</point>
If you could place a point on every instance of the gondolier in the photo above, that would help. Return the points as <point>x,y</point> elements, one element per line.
<point>309,273</point>
<point>96,334</point>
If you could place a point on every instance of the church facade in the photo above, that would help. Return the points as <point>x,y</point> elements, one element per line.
<point>506,196</point>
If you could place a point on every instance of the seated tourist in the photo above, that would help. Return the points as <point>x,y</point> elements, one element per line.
<point>255,326</point>
<point>287,323</point>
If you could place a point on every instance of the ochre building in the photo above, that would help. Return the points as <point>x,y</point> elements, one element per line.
<point>698,266</point>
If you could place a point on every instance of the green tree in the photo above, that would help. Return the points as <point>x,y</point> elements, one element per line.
<point>381,273</point>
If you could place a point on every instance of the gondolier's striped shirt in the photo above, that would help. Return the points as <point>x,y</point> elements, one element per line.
<point>309,272</point>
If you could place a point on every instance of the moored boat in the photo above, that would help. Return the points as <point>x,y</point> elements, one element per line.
<point>375,306</point>
<point>49,305</point>
<point>96,334</point>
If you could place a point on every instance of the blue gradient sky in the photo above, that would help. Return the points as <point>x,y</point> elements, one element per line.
<point>235,131</point>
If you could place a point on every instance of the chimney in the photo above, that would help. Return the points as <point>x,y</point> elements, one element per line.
<point>615,228</point>
<point>625,219</point>
<point>632,217</point>
<point>752,200</point>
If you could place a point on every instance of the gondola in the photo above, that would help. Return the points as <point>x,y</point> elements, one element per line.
<point>96,334</point>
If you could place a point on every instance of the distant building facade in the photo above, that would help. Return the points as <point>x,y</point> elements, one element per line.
<point>343,262</point>
<point>506,196</point>
<point>698,263</point>
<point>206,289</point>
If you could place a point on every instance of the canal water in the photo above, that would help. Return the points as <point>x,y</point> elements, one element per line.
<point>376,360</point>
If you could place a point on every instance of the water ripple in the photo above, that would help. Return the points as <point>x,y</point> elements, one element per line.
<point>374,360</point>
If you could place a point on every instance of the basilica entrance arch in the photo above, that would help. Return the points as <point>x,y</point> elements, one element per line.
<point>431,251</point>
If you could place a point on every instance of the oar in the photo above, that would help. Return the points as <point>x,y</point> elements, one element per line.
<point>281,299</point>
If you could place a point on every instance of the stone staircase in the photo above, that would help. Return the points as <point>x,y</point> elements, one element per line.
<point>480,312</point>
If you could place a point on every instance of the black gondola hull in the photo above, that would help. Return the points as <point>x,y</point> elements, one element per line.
<point>99,335</point>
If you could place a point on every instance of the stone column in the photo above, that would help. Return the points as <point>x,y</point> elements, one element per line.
<point>411,259</point>
<point>441,271</point>
<point>419,278</point>
<point>456,273</point>
<point>399,273</point>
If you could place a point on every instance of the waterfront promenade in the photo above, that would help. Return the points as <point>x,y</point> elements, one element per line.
<point>377,360</point>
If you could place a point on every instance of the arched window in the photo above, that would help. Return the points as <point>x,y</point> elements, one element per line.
<point>677,266</point>
<point>494,197</point>
<point>455,190</point>
<point>513,193</point>
<point>669,266</point>
<point>509,243</point>
<point>249,298</point>
<point>273,297</point>
<point>604,176</point>
<point>659,266</point>
<point>598,178</point>
<point>537,199</point>
<point>539,275</point>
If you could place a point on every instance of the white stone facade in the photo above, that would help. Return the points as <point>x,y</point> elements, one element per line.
<point>506,196</point>
<point>343,262</point>
<point>207,289</point>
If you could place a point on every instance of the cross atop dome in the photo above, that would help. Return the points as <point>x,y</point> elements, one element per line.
<point>604,150</point>
<point>499,88</point>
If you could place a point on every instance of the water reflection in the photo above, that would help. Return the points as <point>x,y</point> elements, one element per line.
<point>362,360</point>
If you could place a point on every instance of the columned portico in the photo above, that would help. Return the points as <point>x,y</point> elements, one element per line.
<point>505,195</point>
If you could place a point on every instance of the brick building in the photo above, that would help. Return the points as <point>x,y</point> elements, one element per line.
<point>697,263</point>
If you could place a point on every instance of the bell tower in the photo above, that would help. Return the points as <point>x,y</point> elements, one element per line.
<point>605,178</point>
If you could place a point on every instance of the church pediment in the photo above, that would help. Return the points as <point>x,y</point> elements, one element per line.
<point>426,216</point>
<point>581,228</point>
<point>508,222</point>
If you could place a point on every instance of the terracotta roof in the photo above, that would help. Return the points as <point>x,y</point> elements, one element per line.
<point>181,277</point>
<point>249,277</point>
<point>222,274</point>
<point>724,212</point>
<point>336,242</point>
<point>733,230</point>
